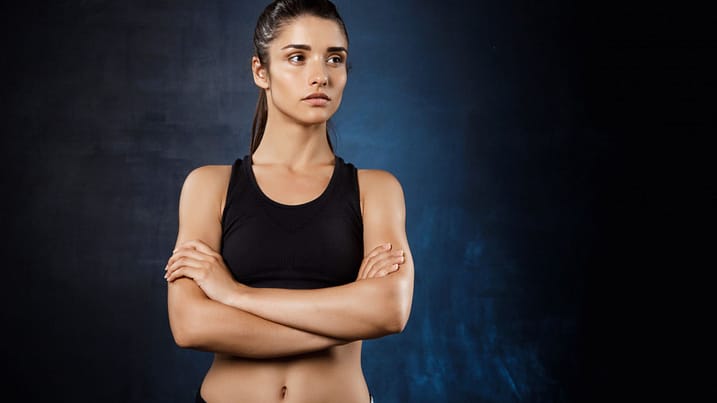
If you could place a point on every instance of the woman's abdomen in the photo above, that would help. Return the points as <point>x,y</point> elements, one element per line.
<point>332,375</point>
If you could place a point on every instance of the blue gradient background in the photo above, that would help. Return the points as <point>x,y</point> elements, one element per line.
<point>485,111</point>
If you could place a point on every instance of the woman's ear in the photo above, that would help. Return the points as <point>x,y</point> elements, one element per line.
<point>261,78</point>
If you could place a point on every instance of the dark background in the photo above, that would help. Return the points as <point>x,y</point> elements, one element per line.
<point>553,158</point>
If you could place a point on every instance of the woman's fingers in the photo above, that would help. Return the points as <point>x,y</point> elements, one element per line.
<point>382,262</point>
<point>380,249</point>
<point>196,260</point>
<point>184,271</point>
<point>385,264</point>
<point>187,253</point>
<point>185,261</point>
<point>371,261</point>
<point>374,252</point>
<point>195,248</point>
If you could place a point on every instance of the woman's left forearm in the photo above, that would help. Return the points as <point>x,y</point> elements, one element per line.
<point>363,309</point>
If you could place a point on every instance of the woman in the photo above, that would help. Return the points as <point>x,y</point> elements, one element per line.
<point>269,270</point>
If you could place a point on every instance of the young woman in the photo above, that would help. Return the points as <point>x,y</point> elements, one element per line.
<point>288,258</point>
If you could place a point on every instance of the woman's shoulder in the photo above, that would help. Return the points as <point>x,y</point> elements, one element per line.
<point>380,193</point>
<point>380,177</point>
<point>209,175</point>
<point>208,180</point>
<point>378,181</point>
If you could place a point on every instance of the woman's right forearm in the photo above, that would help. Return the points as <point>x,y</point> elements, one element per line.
<point>202,324</point>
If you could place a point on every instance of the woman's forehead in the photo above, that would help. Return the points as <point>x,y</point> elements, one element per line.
<point>313,31</point>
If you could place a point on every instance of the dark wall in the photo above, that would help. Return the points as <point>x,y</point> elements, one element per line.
<point>503,121</point>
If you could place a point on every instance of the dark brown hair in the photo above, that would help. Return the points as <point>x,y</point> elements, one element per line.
<point>275,16</point>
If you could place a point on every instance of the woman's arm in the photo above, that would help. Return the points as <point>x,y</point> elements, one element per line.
<point>200,323</point>
<point>364,309</point>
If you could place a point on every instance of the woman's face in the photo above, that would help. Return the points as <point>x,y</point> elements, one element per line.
<point>307,70</point>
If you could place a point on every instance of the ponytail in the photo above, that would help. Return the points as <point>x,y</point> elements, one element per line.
<point>259,123</point>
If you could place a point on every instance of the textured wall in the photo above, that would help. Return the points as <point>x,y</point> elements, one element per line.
<point>477,107</point>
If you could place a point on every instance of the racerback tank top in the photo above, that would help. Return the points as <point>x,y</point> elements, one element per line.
<point>312,245</point>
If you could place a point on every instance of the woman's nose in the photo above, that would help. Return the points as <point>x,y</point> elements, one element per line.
<point>320,79</point>
<point>319,76</point>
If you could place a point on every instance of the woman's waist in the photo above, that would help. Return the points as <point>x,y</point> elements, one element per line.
<point>325,375</point>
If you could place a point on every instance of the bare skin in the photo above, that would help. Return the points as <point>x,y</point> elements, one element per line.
<point>274,345</point>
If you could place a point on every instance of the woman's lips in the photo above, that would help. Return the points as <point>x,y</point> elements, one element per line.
<point>316,101</point>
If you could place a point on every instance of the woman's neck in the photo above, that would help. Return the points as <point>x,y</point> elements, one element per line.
<point>293,145</point>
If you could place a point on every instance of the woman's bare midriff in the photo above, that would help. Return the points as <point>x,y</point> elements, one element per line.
<point>329,376</point>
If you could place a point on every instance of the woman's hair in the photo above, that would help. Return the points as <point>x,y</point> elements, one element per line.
<point>275,16</point>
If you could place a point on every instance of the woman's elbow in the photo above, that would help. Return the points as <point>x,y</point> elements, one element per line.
<point>184,330</point>
<point>183,337</point>
<point>187,306</point>
<point>400,310</point>
<point>400,319</point>
<point>395,324</point>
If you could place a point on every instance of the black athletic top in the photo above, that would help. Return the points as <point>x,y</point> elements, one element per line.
<point>312,245</point>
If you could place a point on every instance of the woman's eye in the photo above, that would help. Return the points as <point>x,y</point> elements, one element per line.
<point>296,58</point>
<point>336,59</point>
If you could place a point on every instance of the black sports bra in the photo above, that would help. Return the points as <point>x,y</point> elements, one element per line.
<point>312,245</point>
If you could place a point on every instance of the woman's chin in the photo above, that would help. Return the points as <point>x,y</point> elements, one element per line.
<point>314,119</point>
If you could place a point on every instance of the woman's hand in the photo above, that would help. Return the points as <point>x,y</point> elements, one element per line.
<point>380,262</point>
<point>198,261</point>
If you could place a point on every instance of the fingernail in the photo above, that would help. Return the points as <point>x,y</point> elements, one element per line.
<point>387,246</point>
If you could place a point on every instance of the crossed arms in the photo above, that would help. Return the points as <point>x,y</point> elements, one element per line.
<point>210,311</point>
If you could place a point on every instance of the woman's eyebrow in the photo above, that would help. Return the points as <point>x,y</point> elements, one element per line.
<point>307,47</point>
<point>297,46</point>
